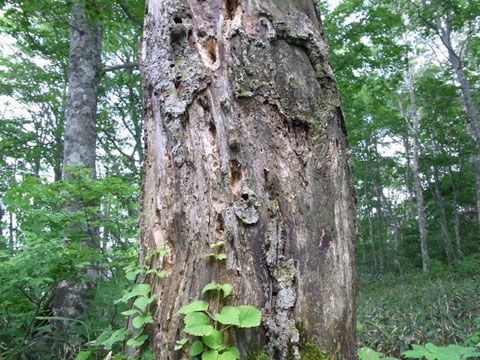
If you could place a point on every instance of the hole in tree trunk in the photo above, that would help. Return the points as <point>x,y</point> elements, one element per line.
<point>236,178</point>
<point>220,226</point>
<point>210,46</point>
<point>231,8</point>
<point>213,129</point>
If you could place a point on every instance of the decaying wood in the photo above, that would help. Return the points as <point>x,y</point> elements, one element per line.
<point>246,143</point>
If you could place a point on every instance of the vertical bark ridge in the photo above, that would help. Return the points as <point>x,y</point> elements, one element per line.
<point>246,143</point>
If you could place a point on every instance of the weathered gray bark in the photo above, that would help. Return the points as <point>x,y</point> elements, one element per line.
<point>84,68</point>
<point>80,134</point>
<point>422,222</point>
<point>246,143</point>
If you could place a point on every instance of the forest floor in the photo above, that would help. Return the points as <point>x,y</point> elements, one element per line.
<point>394,312</point>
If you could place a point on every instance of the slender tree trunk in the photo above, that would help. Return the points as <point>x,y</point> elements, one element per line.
<point>11,234</point>
<point>1,224</point>
<point>406,144</point>
<point>80,134</point>
<point>456,215</point>
<point>441,205</point>
<point>395,230</point>
<point>372,241</point>
<point>422,222</point>
<point>246,144</point>
<point>456,61</point>
<point>371,230</point>
<point>476,167</point>
<point>382,220</point>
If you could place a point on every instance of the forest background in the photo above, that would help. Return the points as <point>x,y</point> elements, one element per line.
<point>404,69</point>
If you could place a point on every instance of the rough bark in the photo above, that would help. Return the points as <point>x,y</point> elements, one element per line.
<point>422,222</point>
<point>80,134</point>
<point>246,143</point>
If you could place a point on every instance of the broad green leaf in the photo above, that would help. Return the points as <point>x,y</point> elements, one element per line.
<point>142,302</point>
<point>196,348</point>
<point>249,316</point>
<point>227,289</point>
<point>104,336</point>
<point>130,312</point>
<point>227,355</point>
<point>214,340</point>
<point>197,323</point>
<point>193,307</point>
<point>234,350</point>
<point>137,341</point>
<point>117,335</point>
<point>141,320</point>
<point>228,316</point>
<point>209,287</point>
<point>83,355</point>
<point>132,275</point>
<point>160,274</point>
<point>180,343</point>
<point>210,355</point>
<point>217,244</point>
<point>365,353</point>
<point>138,290</point>
<point>221,256</point>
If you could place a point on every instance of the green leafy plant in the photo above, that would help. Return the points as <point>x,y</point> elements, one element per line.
<point>433,352</point>
<point>208,327</point>
<point>139,296</point>
<point>365,353</point>
<point>429,352</point>
<point>474,339</point>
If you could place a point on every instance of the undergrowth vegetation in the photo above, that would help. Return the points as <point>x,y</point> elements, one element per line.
<point>394,313</point>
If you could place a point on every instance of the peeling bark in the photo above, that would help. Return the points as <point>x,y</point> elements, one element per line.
<point>246,143</point>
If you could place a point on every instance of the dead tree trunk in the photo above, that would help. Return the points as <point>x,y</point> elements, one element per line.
<point>246,144</point>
